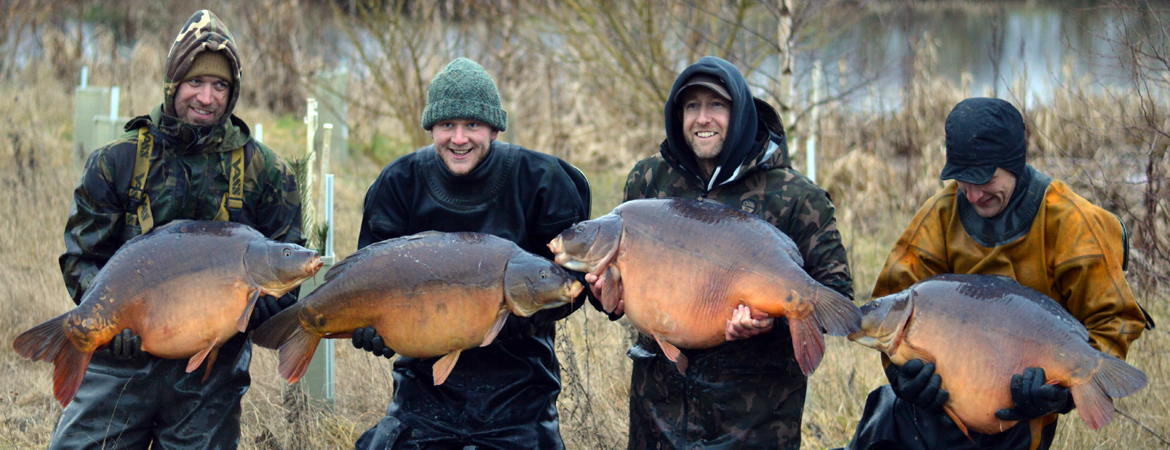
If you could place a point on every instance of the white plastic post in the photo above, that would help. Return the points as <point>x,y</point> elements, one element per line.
<point>114,91</point>
<point>329,353</point>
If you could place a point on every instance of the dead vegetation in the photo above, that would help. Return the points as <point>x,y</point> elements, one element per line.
<point>585,87</point>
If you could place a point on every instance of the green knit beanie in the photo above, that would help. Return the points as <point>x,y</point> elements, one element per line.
<point>463,90</point>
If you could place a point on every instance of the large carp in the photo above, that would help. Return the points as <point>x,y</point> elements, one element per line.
<point>978,330</point>
<point>683,266</point>
<point>427,295</point>
<point>184,288</point>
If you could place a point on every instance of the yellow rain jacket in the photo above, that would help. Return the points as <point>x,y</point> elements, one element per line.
<point>1072,253</point>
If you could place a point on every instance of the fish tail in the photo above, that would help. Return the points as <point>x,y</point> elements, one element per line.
<point>807,342</point>
<point>296,352</point>
<point>838,315</point>
<point>1117,378</point>
<point>1095,407</point>
<point>273,333</point>
<point>1112,378</point>
<point>48,342</point>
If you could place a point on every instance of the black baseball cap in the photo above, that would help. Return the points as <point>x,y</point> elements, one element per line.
<point>983,134</point>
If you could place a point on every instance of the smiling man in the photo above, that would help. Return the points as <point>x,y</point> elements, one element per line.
<point>502,396</point>
<point>175,163</point>
<point>1001,216</point>
<point>723,145</point>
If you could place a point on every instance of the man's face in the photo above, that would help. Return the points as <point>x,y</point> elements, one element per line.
<point>989,199</point>
<point>202,100</point>
<point>462,144</point>
<point>705,119</point>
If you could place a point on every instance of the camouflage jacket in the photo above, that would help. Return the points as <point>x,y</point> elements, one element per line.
<point>189,169</point>
<point>187,180</point>
<point>747,393</point>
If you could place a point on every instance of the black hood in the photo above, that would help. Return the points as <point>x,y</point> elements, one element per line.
<point>746,135</point>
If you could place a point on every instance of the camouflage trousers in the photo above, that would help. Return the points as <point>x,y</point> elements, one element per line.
<point>740,395</point>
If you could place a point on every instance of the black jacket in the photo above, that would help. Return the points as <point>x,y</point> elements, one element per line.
<point>508,389</point>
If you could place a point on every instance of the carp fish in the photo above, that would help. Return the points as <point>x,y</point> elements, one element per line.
<point>184,288</point>
<point>979,330</point>
<point>431,294</point>
<point>683,266</point>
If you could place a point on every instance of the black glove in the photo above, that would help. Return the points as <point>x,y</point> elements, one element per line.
<point>367,339</point>
<point>268,306</point>
<point>916,383</point>
<point>126,345</point>
<point>1033,398</point>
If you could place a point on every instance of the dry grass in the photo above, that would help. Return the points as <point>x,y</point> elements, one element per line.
<point>877,166</point>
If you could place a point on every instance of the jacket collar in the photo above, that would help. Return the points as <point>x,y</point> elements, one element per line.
<point>1015,220</point>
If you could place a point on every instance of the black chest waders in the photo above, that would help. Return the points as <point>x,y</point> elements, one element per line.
<point>233,199</point>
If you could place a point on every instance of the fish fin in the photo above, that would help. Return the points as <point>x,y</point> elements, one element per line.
<point>501,317</point>
<point>196,360</point>
<point>242,322</point>
<point>958,423</point>
<point>1095,407</point>
<point>1117,378</point>
<point>838,315</point>
<point>681,364</point>
<point>807,342</point>
<point>443,366</point>
<point>673,354</point>
<point>296,350</point>
<point>611,292</point>
<point>275,331</point>
<point>210,362</point>
<point>48,342</point>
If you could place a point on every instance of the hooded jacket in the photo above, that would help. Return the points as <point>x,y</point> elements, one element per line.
<point>746,393</point>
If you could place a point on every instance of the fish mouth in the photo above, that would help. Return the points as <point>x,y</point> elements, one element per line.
<point>575,289</point>
<point>313,266</point>
<point>557,247</point>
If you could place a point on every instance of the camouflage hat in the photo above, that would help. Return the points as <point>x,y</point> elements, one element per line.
<point>202,33</point>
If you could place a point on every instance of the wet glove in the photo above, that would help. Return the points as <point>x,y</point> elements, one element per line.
<point>917,383</point>
<point>268,306</point>
<point>367,339</point>
<point>126,345</point>
<point>1033,398</point>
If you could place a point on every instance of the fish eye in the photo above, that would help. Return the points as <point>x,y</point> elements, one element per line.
<point>287,253</point>
<point>580,228</point>
<point>543,274</point>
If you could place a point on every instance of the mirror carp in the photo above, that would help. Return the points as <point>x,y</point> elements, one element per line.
<point>431,294</point>
<point>683,266</point>
<point>184,288</point>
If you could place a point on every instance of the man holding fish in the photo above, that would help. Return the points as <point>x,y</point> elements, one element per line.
<point>503,395</point>
<point>190,158</point>
<point>1001,217</point>
<point>724,146</point>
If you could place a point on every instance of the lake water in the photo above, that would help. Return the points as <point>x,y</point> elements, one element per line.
<point>998,46</point>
